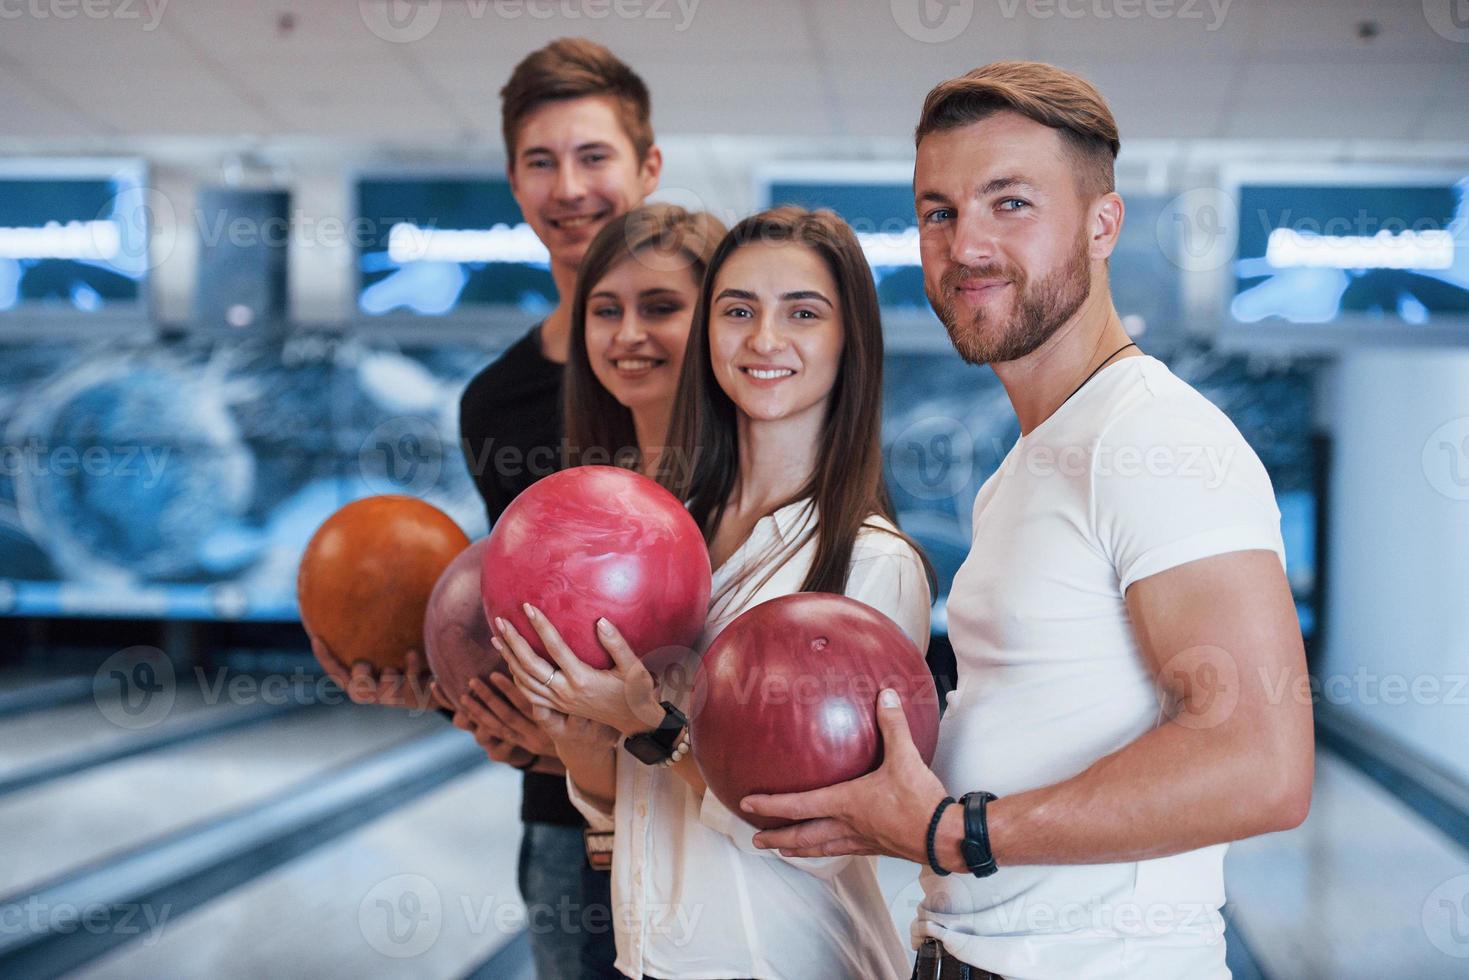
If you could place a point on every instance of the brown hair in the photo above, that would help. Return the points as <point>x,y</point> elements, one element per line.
<point>683,242</point>
<point>1043,93</point>
<point>701,463</point>
<point>571,68</point>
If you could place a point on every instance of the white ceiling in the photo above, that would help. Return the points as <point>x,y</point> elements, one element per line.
<point>211,69</point>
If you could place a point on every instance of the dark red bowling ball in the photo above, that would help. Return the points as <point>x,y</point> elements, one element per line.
<point>600,541</point>
<point>456,635</point>
<point>366,575</point>
<point>785,699</point>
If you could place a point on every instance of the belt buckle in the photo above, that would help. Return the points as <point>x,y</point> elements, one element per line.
<point>930,960</point>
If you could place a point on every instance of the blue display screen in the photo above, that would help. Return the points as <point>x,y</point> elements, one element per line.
<point>1315,254</point>
<point>433,245</point>
<point>74,244</point>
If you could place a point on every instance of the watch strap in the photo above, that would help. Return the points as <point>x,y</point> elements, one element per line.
<point>657,746</point>
<point>978,856</point>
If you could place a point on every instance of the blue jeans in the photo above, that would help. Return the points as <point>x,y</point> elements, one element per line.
<point>569,906</point>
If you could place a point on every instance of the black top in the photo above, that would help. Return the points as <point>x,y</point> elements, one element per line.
<point>510,423</point>
<point>510,431</point>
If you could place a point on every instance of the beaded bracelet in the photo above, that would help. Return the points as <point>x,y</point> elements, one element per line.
<point>680,750</point>
<point>933,828</point>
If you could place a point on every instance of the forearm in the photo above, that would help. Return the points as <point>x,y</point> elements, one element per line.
<point>1174,789</point>
<point>688,770</point>
<point>593,768</point>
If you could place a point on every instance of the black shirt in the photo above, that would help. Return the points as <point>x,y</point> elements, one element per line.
<point>510,431</point>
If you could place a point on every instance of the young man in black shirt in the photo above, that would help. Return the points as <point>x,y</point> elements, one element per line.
<point>580,152</point>
<point>579,149</point>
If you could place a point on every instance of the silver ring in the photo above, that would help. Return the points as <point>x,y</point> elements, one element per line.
<point>549,680</point>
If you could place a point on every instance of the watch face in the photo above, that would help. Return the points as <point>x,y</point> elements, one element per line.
<point>646,749</point>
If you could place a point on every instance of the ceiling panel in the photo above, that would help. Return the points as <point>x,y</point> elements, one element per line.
<point>25,109</point>
<point>699,97</point>
<point>163,100</point>
<point>776,67</point>
<point>1159,99</point>
<point>99,46</point>
<point>1202,30</point>
<point>1336,87</point>
<point>1445,119</point>
<point>1300,28</point>
<point>909,34</point>
<point>676,28</point>
<point>332,29</point>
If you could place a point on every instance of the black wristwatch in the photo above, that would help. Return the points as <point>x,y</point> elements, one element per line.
<point>975,847</point>
<point>658,745</point>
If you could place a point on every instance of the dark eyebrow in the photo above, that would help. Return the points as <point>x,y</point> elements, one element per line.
<point>805,294</point>
<point>793,296</point>
<point>581,148</point>
<point>644,294</point>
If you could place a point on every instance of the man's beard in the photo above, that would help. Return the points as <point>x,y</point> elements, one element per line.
<point>1040,311</point>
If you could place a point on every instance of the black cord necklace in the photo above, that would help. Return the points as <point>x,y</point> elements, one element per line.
<point>1095,370</point>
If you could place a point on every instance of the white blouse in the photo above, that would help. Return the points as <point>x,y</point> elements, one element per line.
<point>692,897</point>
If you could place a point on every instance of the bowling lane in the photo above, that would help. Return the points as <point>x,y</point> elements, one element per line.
<point>38,738</point>
<point>27,689</point>
<point>60,825</point>
<point>1348,894</point>
<point>425,891</point>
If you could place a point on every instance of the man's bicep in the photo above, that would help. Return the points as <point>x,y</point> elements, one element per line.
<point>1223,626</point>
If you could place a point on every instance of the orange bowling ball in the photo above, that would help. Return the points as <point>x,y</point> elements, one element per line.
<point>367,573</point>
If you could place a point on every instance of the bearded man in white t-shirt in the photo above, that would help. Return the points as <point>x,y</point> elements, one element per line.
<point>1130,666</point>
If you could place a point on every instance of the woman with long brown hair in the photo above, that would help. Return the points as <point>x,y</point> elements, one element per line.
<point>630,321</point>
<point>774,444</point>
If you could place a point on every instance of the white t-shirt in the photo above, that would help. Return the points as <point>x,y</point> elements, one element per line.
<point>692,897</point>
<point>1136,474</point>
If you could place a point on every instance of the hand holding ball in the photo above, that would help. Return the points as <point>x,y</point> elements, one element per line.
<point>366,575</point>
<point>785,698</point>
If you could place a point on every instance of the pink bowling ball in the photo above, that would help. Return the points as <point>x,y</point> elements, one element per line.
<point>456,635</point>
<point>598,541</point>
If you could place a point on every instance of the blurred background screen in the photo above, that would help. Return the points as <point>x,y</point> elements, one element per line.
<point>437,245</point>
<point>75,243</point>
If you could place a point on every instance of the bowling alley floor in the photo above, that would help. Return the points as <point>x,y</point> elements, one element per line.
<point>245,837</point>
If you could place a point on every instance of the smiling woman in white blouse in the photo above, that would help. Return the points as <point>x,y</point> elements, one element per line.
<point>774,444</point>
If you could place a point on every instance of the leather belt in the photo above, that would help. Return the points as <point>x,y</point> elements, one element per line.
<point>936,963</point>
